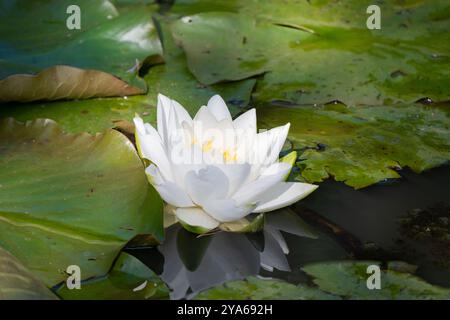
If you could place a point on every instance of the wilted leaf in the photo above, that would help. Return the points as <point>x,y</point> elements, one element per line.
<point>63,82</point>
<point>71,199</point>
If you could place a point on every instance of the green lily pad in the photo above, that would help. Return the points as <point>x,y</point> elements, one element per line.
<point>319,51</point>
<point>172,79</point>
<point>129,279</point>
<point>334,280</point>
<point>17,283</point>
<point>349,279</point>
<point>363,145</point>
<point>71,199</point>
<point>254,288</point>
<point>93,115</point>
<point>110,43</point>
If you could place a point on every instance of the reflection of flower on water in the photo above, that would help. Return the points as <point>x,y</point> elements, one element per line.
<point>193,264</point>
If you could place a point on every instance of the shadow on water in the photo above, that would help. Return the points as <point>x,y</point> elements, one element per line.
<point>348,223</point>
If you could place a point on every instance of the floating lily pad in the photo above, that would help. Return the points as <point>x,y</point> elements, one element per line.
<point>110,43</point>
<point>254,288</point>
<point>364,145</point>
<point>71,199</point>
<point>17,283</point>
<point>319,51</point>
<point>334,280</point>
<point>129,279</point>
<point>93,115</point>
<point>172,79</point>
<point>349,280</point>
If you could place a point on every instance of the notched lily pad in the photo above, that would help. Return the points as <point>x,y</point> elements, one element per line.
<point>71,199</point>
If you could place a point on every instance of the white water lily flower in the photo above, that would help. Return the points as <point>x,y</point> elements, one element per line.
<point>213,171</point>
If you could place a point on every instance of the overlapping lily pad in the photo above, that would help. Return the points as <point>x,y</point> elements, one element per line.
<point>104,54</point>
<point>334,280</point>
<point>364,145</point>
<point>254,288</point>
<point>172,79</point>
<point>319,51</point>
<point>93,115</point>
<point>129,279</point>
<point>17,283</point>
<point>349,280</point>
<point>71,199</point>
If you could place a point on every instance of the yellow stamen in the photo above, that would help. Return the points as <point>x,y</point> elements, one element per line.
<point>229,156</point>
<point>207,146</point>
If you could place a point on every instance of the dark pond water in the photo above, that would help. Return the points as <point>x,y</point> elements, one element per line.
<point>350,224</point>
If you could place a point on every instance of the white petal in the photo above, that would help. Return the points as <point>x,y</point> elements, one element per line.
<point>162,117</point>
<point>246,121</point>
<point>283,194</point>
<point>207,183</point>
<point>269,145</point>
<point>226,210</point>
<point>219,108</point>
<point>150,146</point>
<point>205,117</point>
<point>250,192</point>
<point>175,115</point>
<point>196,217</point>
<point>237,175</point>
<point>181,112</point>
<point>169,191</point>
